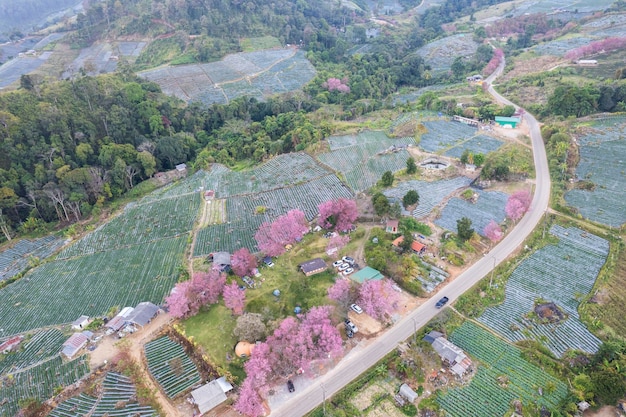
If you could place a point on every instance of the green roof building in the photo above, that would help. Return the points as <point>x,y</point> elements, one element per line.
<point>507,121</point>
<point>366,274</point>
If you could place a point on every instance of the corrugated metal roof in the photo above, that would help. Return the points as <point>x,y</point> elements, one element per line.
<point>313,265</point>
<point>208,396</point>
<point>143,313</point>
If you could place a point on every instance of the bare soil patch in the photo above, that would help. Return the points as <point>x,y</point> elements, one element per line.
<point>607,411</point>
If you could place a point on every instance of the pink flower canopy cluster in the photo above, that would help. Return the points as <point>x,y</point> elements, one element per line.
<point>335,84</point>
<point>517,205</point>
<point>286,229</point>
<point>339,214</point>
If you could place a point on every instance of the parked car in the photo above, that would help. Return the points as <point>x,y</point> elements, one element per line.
<point>348,271</point>
<point>343,267</point>
<point>442,302</point>
<point>356,308</point>
<point>348,259</point>
<point>290,386</point>
<point>351,326</point>
<point>336,264</point>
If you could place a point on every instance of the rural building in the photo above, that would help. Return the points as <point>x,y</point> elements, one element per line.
<point>392,226</point>
<point>143,314</point>
<point>181,167</point>
<point>451,355</point>
<point>209,195</point>
<point>408,393</point>
<point>312,267</point>
<point>466,120</point>
<point>511,122</point>
<point>210,395</point>
<point>81,322</point>
<point>366,274</point>
<point>221,260</point>
<point>75,343</point>
<point>416,246</point>
<point>474,78</point>
<point>10,344</point>
<point>587,62</point>
<point>119,321</point>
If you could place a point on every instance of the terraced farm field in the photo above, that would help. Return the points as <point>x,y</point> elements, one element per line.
<point>440,54</point>
<point>254,74</point>
<point>489,206</point>
<point>43,345</point>
<point>484,396</point>
<point>452,138</point>
<point>170,366</point>
<point>602,155</point>
<point>60,291</point>
<point>431,193</point>
<point>17,258</point>
<point>555,273</point>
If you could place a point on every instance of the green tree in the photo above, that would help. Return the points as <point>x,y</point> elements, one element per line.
<point>411,167</point>
<point>410,198</point>
<point>381,204</point>
<point>406,243</point>
<point>464,229</point>
<point>479,159</point>
<point>387,179</point>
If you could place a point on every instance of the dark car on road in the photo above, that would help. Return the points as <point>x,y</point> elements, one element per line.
<point>442,302</point>
<point>290,386</point>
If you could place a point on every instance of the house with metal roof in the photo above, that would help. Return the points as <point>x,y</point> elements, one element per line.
<point>74,344</point>
<point>143,313</point>
<point>511,122</point>
<point>210,395</point>
<point>408,393</point>
<point>366,274</point>
<point>80,323</point>
<point>450,354</point>
<point>312,267</point>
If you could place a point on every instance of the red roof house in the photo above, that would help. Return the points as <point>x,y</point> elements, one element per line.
<point>11,344</point>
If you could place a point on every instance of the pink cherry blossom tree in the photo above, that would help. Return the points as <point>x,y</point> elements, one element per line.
<point>378,299</point>
<point>517,204</point>
<point>318,335</point>
<point>338,214</point>
<point>340,291</point>
<point>250,402</point>
<point>286,229</point>
<point>177,302</point>
<point>493,231</point>
<point>234,298</point>
<point>337,242</point>
<point>335,84</point>
<point>188,297</point>
<point>243,262</point>
<point>605,45</point>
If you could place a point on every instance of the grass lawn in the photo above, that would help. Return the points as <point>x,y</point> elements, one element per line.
<point>258,44</point>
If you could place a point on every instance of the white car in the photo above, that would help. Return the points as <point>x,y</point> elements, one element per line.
<point>348,271</point>
<point>356,308</point>
<point>343,267</point>
<point>338,263</point>
<point>348,259</point>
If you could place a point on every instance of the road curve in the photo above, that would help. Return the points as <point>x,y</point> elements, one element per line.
<point>362,358</point>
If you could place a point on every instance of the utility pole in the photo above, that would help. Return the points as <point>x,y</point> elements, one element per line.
<point>492,271</point>
<point>323,399</point>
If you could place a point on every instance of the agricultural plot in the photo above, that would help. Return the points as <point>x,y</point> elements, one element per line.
<point>201,180</point>
<point>140,224</point>
<point>484,396</point>
<point>444,134</point>
<point>242,222</point>
<point>489,206</point>
<point>431,193</point>
<point>12,70</point>
<point>95,59</point>
<point>560,47</point>
<point>60,291</point>
<point>384,7</point>
<point>440,54</point>
<point>40,381</point>
<point>42,345</point>
<point>254,74</point>
<point>365,174</point>
<point>555,273</point>
<point>478,144</point>
<point>16,259</point>
<point>170,366</point>
<point>577,7</point>
<point>601,161</point>
<point>117,399</point>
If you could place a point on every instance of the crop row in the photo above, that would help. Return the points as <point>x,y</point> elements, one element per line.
<point>16,258</point>
<point>440,54</point>
<point>170,366</point>
<point>601,161</point>
<point>560,47</point>
<point>431,193</point>
<point>484,396</point>
<point>39,382</point>
<point>196,183</point>
<point>444,134</point>
<point>489,206</point>
<point>60,291</point>
<point>41,346</point>
<point>243,222</point>
<point>140,224</point>
<point>369,143</point>
<point>365,174</point>
<point>556,273</point>
<point>478,144</point>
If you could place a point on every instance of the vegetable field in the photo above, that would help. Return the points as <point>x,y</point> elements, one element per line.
<point>580,7</point>
<point>41,346</point>
<point>602,155</point>
<point>40,381</point>
<point>16,258</point>
<point>478,144</point>
<point>489,206</point>
<point>560,47</point>
<point>485,396</point>
<point>60,291</point>
<point>453,138</point>
<point>117,400</point>
<point>440,54</point>
<point>12,70</point>
<point>170,366</point>
<point>363,158</point>
<point>255,74</point>
<point>556,273</point>
<point>431,193</point>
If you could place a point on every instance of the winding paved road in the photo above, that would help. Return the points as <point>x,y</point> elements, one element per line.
<point>360,359</point>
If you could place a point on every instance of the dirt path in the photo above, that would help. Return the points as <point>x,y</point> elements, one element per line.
<point>108,348</point>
